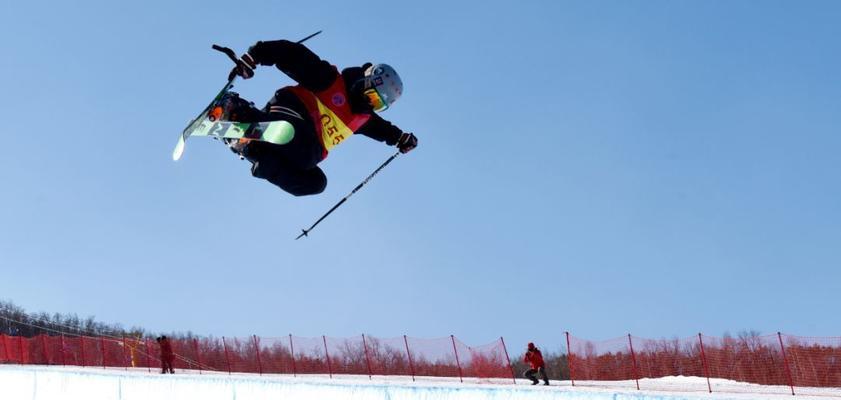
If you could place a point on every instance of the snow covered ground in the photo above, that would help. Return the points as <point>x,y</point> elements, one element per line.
<point>71,383</point>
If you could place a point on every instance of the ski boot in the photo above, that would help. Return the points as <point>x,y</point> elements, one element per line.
<point>238,146</point>
<point>231,107</point>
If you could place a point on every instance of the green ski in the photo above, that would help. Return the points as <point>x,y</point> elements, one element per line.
<point>209,124</point>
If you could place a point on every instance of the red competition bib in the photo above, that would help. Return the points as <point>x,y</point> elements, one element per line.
<point>330,110</point>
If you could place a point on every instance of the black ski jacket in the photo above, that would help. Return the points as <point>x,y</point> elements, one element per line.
<point>315,74</point>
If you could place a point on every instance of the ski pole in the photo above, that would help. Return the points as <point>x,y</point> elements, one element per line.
<point>307,231</point>
<point>233,55</point>
<point>308,37</point>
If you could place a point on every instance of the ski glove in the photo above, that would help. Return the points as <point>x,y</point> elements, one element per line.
<point>245,67</point>
<point>407,142</point>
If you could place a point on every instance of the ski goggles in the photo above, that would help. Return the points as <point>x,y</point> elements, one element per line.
<point>376,100</point>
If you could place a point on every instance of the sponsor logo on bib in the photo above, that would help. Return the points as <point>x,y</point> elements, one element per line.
<point>338,99</point>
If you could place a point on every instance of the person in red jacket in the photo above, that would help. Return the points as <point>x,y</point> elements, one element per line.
<point>535,360</point>
<point>167,356</point>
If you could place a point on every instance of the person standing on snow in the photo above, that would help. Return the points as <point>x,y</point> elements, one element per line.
<point>535,360</point>
<point>167,356</point>
<point>325,108</point>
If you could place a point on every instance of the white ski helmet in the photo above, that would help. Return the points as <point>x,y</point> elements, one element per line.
<point>382,86</point>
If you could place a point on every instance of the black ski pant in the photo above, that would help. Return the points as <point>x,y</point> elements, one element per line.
<point>530,374</point>
<point>269,163</point>
<point>292,167</point>
<point>166,365</point>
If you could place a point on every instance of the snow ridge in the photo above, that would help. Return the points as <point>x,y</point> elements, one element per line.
<point>71,383</point>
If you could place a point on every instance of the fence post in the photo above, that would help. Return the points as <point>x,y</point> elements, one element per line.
<point>227,357</point>
<point>367,357</point>
<point>63,355</point>
<point>704,362</point>
<point>148,355</point>
<point>569,361</point>
<point>785,361</point>
<point>5,347</point>
<point>292,350</point>
<point>460,376</point>
<point>257,349</point>
<point>634,361</point>
<point>409,355</point>
<point>198,355</point>
<point>102,351</point>
<point>82,350</point>
<point>126,362</point>
<point>513,377</point>
<point>44,344</point>
<point>327,353</point>
<point>20,348</point>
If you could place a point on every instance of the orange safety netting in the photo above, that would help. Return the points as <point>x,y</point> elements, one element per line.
<point>779,361</point>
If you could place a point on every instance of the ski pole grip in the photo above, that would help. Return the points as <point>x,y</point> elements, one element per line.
<point>230,53</point>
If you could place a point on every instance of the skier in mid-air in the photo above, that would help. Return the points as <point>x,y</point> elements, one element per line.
<point>325,108</point>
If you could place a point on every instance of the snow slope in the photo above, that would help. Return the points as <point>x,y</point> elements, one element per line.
<point>70,383</point>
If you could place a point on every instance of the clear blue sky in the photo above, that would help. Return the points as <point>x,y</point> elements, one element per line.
<point>653,167</point>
